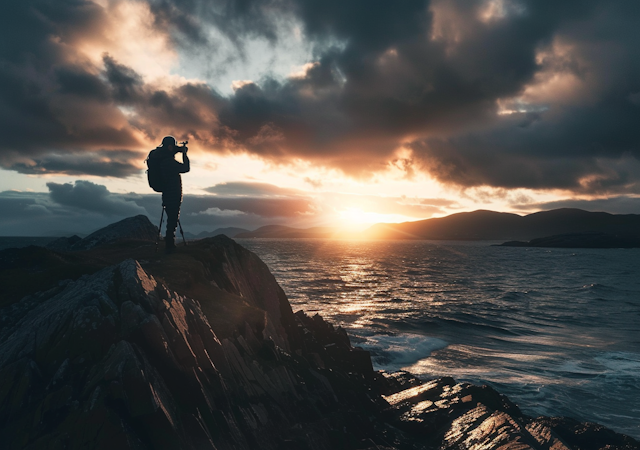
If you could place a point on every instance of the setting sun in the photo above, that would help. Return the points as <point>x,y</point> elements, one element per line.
<point>353,218</point>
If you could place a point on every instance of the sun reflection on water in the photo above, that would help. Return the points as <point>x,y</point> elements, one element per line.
<point>552,328</point>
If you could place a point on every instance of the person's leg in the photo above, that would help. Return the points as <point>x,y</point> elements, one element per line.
<point>172,208</point>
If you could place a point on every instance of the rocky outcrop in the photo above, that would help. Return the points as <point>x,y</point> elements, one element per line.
<point>462,416</point>
<point>134,228</point>
<point>118,360</point>
<point>201,350</point>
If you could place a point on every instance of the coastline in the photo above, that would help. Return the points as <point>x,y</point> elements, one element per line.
<point>249,298</point>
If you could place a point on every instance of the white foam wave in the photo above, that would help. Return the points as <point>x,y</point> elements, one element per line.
<point>396,351</point>
<point>621,363</point>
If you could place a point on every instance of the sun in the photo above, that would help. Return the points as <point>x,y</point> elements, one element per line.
<point>355,219</point>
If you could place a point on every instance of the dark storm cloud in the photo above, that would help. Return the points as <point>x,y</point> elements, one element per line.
<point>187,19</point>
<point>428,76</point>
<point>437,71</point>
<point>92,197</point>
<point>106,163</point>
<point>58,114</point>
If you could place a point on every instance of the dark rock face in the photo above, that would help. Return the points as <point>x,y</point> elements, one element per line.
<point>137,227</point>
<point>120,359</point>
<point>117,360</point>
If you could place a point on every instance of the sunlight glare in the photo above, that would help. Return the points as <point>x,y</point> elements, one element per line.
<point>356,219</point>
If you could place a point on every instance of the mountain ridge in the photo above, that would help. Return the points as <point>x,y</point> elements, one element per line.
<point>473,225</point>
<point>492,225</point>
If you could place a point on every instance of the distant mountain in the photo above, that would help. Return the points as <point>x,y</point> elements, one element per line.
<point>230,232</point>
<point>63,243</point>
<point>491,225</point>
<point>136,228</point>
<point>281,231</point>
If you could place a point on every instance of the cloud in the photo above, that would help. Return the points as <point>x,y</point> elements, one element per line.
<point>243,188</point>
<point>510,93</point>
<point>106,163</point>
<point>85,195</point>
<point>61,99</point>
<point>38,214</point>
<point>268,200</point>
<point>83,206</point>
<point>504,94</point>
<point>410,208</point>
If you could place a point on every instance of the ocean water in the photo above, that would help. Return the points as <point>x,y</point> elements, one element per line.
<point>556,330</point>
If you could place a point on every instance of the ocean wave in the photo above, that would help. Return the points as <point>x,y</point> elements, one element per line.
<point>396,351</point>
<point>469,326</point>
<point>597,287</point>
<point>621,363</point>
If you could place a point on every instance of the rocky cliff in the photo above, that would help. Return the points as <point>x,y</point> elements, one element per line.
<point>201,350</point>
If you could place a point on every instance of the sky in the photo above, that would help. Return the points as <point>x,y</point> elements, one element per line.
<point>317,112</point>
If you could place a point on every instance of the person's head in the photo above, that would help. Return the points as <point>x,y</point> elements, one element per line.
<point>169,142</point>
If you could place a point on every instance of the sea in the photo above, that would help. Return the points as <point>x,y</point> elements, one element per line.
<point>556,330</point>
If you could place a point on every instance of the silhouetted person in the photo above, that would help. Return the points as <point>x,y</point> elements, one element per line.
<point>172,186</point>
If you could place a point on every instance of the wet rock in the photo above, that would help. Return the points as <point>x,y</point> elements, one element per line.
<point>461,416</point>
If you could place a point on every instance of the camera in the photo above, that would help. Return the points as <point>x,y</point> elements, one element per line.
<point>182,147</point>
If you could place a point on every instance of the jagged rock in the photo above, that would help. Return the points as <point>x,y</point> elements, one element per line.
<point>118,360</point>
<point>201,350</point>
<point>462,416</point>
<point>137,228</point>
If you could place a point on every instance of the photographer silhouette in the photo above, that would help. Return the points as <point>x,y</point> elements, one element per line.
<point>164,176</point>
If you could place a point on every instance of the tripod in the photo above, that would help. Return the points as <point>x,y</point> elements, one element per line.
<point>160,229</point>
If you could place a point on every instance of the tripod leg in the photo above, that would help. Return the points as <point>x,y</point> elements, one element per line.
<point>182,233</point>
<point>160,228</point>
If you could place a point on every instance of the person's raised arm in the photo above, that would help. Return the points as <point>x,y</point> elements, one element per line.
<point>186,165</point>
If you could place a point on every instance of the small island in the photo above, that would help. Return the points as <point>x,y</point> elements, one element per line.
<point>579,240</point>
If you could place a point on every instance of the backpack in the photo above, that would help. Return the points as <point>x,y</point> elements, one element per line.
<point>154,170</point>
